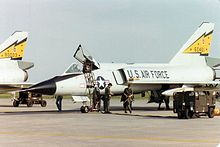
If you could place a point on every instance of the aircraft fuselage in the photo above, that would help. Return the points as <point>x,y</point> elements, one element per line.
<point>150,75</point>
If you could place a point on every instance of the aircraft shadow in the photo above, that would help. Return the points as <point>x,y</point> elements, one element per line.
<point>114,110</point>
<point>139,108</point>
<point>6,106</point>
<point>38,112</point>
<point>78,111</point>
<point>145,115</point>
<point>11,106</point>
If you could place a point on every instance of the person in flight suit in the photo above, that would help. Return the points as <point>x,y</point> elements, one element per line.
<point>127,98</point>
<point>96,99</point>
<point>108,95</point>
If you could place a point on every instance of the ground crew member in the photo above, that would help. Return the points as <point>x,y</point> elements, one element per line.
<point>127,98</point>
<point>96,99</point>
<point>108,95</point>
<point>59,102</point>
<point>167,101</point>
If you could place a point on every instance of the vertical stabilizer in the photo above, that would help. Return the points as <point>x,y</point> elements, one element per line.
<point>197,47</point>
<point>13,47</point>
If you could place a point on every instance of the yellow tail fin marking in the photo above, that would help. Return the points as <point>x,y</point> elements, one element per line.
<point>201,45</point>
<point>15,51</point>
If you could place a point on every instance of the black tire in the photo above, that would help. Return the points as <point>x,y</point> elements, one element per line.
<point>191,114</point>
<point>211,112</point>
<point>87,109</point>
<point>187,113</point>
<point>29,103</point>
<point>15,103</point>
<point>43,103</point>
<point>84,109</point>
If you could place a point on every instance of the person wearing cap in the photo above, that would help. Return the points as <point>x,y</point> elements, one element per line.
<point>127,99</point>
<point>96,98</point>
<point>108,95</point>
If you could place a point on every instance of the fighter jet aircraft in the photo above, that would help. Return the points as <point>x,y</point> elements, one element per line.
<point>13,71</point>
<point>188,68</point>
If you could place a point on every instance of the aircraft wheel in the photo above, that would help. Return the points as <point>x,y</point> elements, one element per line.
<point>210,112</point>
<point>86,109</point>
<point>29,103</point>
<point>43,103</point>
<point>15,103</point>
<point>82,109</point>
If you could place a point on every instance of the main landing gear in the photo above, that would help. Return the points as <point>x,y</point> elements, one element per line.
<point>84,108</point>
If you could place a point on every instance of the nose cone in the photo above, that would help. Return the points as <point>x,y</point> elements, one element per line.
<point>47,87</point>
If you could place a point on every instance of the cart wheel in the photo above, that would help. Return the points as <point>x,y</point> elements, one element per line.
<point>210,112</point>
<point>187,115</point>
<point>43,103</point>
<point>29,103</point>
<point>191,114</point>
<point>15,103</point>
<point>179,114</point>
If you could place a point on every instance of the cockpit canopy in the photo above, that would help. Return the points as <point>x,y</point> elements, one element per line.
<point>84,57</point>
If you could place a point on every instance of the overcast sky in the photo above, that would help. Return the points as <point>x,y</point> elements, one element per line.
<point>110,30</point>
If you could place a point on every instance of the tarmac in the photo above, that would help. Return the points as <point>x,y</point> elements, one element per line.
<point>146,126</point>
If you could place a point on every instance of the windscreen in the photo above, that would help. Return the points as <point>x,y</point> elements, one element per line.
<point>74,68</point>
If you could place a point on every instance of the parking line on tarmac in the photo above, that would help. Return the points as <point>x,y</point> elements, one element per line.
<point>110,137</point>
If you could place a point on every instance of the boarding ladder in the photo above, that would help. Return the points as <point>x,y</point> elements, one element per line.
<point>90,82</point>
